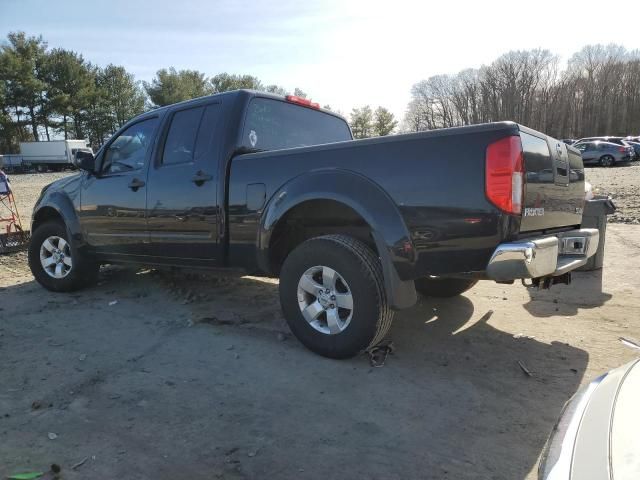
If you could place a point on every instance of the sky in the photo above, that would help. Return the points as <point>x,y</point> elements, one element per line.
<point>342,53</point>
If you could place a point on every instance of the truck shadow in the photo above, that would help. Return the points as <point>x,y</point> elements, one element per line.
<point>468,408</point>
<point>495,415</point>
<point>585,291</point>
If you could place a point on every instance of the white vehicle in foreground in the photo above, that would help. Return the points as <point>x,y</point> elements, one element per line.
<point>598,434</point>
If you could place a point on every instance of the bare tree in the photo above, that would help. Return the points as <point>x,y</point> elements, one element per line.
<point>598,93</point>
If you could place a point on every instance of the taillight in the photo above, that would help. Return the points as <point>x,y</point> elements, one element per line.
<point>302,101</point>
<point>504,175</point>
<point>622,149</point>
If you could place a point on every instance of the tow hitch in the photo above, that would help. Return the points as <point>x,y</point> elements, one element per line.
<point>544,283</point>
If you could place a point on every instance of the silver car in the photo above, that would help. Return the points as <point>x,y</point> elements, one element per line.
<point>605,154</point>
<point>597,436</point>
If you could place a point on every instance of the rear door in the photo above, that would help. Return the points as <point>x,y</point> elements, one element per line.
<point>182,207</point>
<point>554,183</point>
<point>588,151</point>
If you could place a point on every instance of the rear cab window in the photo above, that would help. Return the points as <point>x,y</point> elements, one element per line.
<point>274,125</point>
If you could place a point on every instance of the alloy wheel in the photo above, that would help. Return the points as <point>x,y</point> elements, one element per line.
<point>325,300</point>
<point>55,257</point>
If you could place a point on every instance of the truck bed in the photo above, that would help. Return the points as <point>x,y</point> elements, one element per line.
<point>436,179</point>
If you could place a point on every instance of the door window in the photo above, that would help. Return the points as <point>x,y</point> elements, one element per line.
<point>583,146</point>
<point>180,144</point>
<point>128,151</point>
<point>206,133</point>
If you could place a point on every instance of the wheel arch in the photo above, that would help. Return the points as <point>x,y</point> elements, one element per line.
<point>57,206</point>
<point>609,155</point>
<point>356,206</point>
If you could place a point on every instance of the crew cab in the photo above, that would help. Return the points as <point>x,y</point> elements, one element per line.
<point>354,229</point>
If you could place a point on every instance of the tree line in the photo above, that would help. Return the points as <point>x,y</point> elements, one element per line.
<point>56,93</point>
<point>597,94</point>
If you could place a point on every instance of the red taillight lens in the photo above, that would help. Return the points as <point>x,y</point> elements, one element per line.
<point>622,149</point>
<point>302,101</point>
<point>505,174</point>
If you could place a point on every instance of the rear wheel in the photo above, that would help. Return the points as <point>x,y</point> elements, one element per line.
<point>54,261</point>
<point>607,161</point>
<point>443,287</point>
<point>332,296</point>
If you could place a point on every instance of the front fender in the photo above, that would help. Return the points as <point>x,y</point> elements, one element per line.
<point>62,203</point>
<point>366,198</point>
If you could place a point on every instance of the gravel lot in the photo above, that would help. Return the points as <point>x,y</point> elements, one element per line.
<point>623,184</point>
<point>27,187</point>
<point>157,375</point>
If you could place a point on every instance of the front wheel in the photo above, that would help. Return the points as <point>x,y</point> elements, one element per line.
<point>443,287</point>
<point>54,261</point>
<point>333,297</point>
<point>607,161</point>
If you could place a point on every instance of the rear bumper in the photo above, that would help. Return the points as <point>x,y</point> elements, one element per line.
<point>547,256</point>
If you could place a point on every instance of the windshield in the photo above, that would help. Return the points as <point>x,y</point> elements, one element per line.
<point>274,125</point>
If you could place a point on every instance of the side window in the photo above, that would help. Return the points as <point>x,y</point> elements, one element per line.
<point>180,145</point>
<point>208,126</point>
<point>128,151</point>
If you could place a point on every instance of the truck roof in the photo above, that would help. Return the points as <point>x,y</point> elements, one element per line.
<point>248,93</point>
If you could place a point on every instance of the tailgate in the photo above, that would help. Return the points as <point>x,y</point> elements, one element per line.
<point>554,183</point>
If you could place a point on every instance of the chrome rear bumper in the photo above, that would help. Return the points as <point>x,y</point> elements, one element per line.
<point>544,256</point>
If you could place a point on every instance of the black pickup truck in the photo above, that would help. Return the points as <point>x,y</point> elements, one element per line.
<point>251,181</point>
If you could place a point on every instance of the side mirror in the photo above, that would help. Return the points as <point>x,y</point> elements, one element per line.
<point>85,160</point>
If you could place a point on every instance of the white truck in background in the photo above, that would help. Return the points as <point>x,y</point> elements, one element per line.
<point>56,155</point>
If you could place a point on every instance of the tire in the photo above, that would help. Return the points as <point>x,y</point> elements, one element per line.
<point>443,287</point>
<point>357,274</point>
<point>76,270</point>
<point>607,161</point>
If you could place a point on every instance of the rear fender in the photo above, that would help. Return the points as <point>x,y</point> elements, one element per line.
<point>368,200</point>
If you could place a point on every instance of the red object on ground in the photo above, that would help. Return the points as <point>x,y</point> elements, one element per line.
<point>12,236</point>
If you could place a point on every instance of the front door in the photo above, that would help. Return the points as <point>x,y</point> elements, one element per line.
<point>113,201</point>
<point>183,210</point>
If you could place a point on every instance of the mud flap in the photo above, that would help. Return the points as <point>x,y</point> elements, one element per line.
<point>401,294</point>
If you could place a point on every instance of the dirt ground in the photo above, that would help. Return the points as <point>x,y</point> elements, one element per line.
<point>623,185</point>
<point>158,375</point>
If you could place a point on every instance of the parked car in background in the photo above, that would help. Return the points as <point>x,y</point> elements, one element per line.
<point>603,153</point>
<point>569,141</point>
<point>622,141</point>
<point>596,436</point>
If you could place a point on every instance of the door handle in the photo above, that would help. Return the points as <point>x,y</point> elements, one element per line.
<point>135,184</point>
<point>201,177</point>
